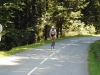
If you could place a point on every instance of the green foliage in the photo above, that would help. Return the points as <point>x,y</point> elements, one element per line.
<point>9,39</point>
<point>14,38</point>
<point>30,20</point>
<point>94,58</point>
<point>18,23</point>
<point>78,28</point>
<point>91,13</point>
<point>91,29</point>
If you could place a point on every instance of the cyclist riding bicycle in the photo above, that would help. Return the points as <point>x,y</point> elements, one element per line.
<point>53,33</point>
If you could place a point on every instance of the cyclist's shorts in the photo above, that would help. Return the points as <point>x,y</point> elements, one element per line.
<point>52,35</point>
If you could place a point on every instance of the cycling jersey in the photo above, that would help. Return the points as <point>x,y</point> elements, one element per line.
<point>53,32</point>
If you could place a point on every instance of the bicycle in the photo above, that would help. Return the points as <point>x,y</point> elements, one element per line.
<point>52,43</point>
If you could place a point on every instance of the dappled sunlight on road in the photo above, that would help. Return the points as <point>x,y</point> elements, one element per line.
<point>18,59</point>
<point>58,62</point>
<point>9,61</point>
<point>68,58</point>
<point>42,70</point>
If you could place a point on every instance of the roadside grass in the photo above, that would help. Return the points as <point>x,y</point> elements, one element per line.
<point>28,47</point>
<point>94,58</point>
<point>22,48</point>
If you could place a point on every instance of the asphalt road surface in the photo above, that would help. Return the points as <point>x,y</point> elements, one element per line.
<point>70,57</point>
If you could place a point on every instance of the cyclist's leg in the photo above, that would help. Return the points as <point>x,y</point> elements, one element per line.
<point>52,45</point>
<point>51,37</point>
<point>54,38</point>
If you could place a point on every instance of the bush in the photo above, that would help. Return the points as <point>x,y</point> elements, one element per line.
<point>9,39</point>
<point>14,38</point>
<point>75,28</point>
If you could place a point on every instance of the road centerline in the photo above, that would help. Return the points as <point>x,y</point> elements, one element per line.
<point>32,71</point>
<point>63,46</point>
<point>46,59</point>
<point>43,60</point>
<point>52,54</point>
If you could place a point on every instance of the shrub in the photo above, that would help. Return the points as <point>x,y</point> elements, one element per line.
<point>75,28</point>
<point>14,38</point>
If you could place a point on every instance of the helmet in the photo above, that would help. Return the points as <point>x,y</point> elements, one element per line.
<point>53,27</point>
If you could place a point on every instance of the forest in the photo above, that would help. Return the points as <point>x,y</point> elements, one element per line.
<point>28,21</point>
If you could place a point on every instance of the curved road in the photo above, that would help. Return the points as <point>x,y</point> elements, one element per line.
<point>68,58</point>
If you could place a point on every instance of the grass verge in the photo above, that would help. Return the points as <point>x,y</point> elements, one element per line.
<point>22,48</point>
<point>27,47</point>
<point>94,58</point>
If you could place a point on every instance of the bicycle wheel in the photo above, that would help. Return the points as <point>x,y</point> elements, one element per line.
<point>52,45</point>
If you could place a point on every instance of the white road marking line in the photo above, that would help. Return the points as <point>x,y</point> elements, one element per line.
<point>52,54</point>
<point>68,44</point>
<point>32,71</point>
<point>46,59</point>
<point>58,50</point>
<point>63,46</point>
<point>43,60</point>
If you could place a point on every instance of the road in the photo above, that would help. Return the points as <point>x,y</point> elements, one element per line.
<point>70,57</point>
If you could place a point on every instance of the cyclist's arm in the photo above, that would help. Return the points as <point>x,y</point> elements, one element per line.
<point>55,32</point>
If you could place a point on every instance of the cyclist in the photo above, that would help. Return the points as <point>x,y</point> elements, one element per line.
<point>53,33</point>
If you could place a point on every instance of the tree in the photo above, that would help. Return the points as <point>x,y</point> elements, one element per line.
<point>28,21</point>
<point>92,13</point>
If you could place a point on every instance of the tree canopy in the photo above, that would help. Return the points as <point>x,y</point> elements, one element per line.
<point>29,21</point>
